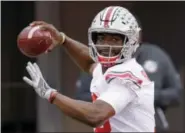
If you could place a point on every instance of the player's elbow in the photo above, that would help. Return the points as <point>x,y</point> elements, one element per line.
<point>96,119</point>
<point>96,122</point>
<point>102,111</point>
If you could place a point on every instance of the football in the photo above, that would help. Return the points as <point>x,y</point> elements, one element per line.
<point>33,41</point>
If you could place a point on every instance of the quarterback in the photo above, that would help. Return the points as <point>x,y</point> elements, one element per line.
<point>123,95</point>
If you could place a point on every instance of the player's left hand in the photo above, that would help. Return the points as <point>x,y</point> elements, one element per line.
<point>38,82</point>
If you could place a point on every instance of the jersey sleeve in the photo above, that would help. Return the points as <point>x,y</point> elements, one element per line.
<point>120,92</point>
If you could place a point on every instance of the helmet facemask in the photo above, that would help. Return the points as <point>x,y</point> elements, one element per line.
<point>109,54</point>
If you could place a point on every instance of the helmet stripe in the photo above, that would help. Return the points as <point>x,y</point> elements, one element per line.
<point>108,16</point>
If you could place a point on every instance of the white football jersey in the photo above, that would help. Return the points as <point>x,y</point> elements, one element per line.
<point>128,90</point>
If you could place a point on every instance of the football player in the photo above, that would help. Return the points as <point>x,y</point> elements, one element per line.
<point>123,95</point>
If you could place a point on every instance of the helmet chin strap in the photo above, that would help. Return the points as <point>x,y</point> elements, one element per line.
<point>107,61</point>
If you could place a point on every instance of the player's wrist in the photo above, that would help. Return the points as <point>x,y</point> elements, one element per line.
<point>52,96</point>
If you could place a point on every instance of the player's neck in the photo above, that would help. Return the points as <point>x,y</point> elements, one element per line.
<point>104,69</point>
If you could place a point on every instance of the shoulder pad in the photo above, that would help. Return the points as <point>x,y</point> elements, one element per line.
<point>122,77</point>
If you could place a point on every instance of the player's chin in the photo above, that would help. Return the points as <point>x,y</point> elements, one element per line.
<point>108,54</point>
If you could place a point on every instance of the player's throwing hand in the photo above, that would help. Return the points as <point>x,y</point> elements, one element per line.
<point>38,83</point>
<point>57,36</point>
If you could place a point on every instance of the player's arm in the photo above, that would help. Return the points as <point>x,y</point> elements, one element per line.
<point>93,114</point>
<point>79,53</point>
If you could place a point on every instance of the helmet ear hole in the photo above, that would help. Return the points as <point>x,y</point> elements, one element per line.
<point>94,37</point>
<point>93,52</point>
<point>125,40</point>
<point>122,57</point>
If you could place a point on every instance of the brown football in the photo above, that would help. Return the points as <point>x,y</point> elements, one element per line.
<point>33,41</point>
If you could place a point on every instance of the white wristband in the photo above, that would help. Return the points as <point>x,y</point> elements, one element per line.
<point>63,38</point>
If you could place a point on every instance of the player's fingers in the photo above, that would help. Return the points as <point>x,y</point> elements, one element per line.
<point>31,73</point>
<point>49,49</point>
<point>50,28</point>
<point>46,27</point>
<point>37,68</point>
<point>46,52</point>
<point>31,67</point>
<point>28,81</point>
<point>53,32</point>
<point>34,23</point>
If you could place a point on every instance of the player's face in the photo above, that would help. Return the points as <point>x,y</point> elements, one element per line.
<point>109,44</point>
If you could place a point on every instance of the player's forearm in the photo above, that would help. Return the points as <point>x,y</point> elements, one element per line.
<point>79,53</point>
<point>85,112</point>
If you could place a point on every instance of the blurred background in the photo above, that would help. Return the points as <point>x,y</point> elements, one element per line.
<point>22,111</point>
